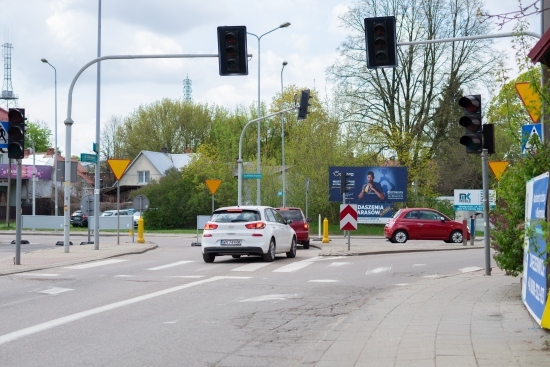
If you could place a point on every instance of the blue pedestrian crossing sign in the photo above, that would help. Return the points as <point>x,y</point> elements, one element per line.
<point>529,134</point>
<point>4,134</point>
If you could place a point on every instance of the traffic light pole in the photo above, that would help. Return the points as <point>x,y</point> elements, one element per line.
<point>240,159</point>
<point>485,173</point>
<point>18,214</point>
<point>69,122</point>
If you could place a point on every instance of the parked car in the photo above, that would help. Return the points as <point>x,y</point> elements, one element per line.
<point>247,230</point>
<point>109,213</point>
<point>423,224</point>
<point>299,224</point>
<point>136,217</point>
<point>79,219</point>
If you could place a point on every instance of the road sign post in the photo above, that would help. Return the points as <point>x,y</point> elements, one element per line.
<point>348,219</point>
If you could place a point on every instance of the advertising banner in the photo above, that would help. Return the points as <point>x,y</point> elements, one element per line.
<point>535,277</point>
<point>465,200</point>
<point>42,172</point>
<point>374,213</point>
<point>369,184</point>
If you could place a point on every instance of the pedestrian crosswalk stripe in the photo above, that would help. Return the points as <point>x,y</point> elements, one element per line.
<point>37,274</point>
<point>251,267</point>
<point>170,265</point>
<point>55,290</point>
<point>323,281</point>
<point>293,267</point>
<point>93,264</point>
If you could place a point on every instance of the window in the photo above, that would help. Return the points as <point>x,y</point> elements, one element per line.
<point>143,177</point>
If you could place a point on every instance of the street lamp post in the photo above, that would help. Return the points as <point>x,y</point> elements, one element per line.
<point>55,142</point>
<point>33,179</point>
<point>283,136</point>
<point>284,25</point>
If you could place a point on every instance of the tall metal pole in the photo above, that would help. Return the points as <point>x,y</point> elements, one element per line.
<point>18,215</point>
<point>485,173</point>
<point>33,179</point>
<point>55,142</point>
<point>258,165</point>
<point>97,134</point>
<point>283,136</point>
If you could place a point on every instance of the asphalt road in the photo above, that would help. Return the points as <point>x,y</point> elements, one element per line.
<point>167,307</point>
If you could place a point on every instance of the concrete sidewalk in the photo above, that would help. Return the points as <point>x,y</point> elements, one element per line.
<point>466,319</point>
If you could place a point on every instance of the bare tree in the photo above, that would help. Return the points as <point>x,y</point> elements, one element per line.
<point>111,145</point>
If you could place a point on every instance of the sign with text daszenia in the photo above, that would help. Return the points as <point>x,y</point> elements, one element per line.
<point>535,271</point>
<point>369,184</point>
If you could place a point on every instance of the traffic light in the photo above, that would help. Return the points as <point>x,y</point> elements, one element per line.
<point>473,137</point>
<point>16,133</point>
<point>381,42</point>
<point>232,52</point>
<point>304,104</point>
<point>343,183</point>
<point>489,138</point>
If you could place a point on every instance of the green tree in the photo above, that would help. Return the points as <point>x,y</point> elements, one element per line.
<point>40,133</point>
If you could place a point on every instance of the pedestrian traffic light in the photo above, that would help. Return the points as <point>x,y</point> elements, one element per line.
<point>343,183</point>
<point>381,42</point>
<point>304,104</point>
<point>16,133</point>
<point>232,52</point>
<point>473,137</point>
<point>489,138</point>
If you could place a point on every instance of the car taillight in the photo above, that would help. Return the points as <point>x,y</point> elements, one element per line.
<point>210,226</point>
<point>256,225</point>
<point>306,226</point>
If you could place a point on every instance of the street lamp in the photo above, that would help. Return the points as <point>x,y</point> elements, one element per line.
<point>55,143</point>
<point>284,25</point>
<point>283,135</point>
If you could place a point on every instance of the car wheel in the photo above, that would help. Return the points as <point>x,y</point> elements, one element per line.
<point>208,258</point>
<point>292,253</point>
<point>400,236</point>
<point>306,244</point>
<point>236,256</point>
<point>456,237</point>
<point>270,256</point>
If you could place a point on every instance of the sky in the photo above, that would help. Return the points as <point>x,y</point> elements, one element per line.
<point>65,32</point>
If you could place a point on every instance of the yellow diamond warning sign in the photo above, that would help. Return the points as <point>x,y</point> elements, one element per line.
<point>498,168</point>
<point>118,166</point>
<point>213,185</point>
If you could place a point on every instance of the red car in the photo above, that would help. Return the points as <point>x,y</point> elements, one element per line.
<point>299,224</point>
<point>423,224</point>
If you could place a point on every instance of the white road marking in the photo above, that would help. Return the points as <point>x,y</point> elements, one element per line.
<point>467,270</point>
<point>123,276</point>
<point>187,276</point>
<point>95,263</point>
<point>432,276</point>
<point>56,290</point>
<point>293,267</point>
<point>36,275</point>
<point>6,338</point>
<point>415,265</point>
<point>401,284</point>
<point>379,270</point>
<point>323,281</point>
<point>324,258</point>
<point>251,267</point>
<point>269,297</point>
<point>338,264</point>
<point>170,265</point>
<point>170,322</point>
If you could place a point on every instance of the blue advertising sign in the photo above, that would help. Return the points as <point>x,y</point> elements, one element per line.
<point>374,213</point>
<point>534,260</point>
<point>369,184</point>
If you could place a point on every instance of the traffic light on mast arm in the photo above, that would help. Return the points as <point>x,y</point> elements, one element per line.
<point>16,133</point>
<point>381,42</point>
<point>477,136</point>
<point>304,104</point>
<point>232,51</point>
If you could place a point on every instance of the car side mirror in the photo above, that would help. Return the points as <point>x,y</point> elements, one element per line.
<point>289,221</point>
<point>308,219</point>
<point>442,219</point>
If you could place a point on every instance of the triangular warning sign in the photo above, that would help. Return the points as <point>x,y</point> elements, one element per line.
<point>531,100</point>
<point>118,166</point>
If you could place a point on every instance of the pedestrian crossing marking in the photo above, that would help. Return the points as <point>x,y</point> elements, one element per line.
<point>55,290</point>
<point>94,264</point>
<point>171,265</point>
<point>323,281</point>
<point>37,274</point>
<point>293,267</point>
<point>338,264</point>
<point>251,267</point>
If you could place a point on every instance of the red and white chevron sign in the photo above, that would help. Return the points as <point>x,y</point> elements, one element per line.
<point>348,217</point>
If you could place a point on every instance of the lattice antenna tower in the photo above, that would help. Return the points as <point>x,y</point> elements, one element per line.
<point>7,88</point>
<point>187,89</point>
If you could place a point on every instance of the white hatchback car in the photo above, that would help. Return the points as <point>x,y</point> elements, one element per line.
<point>247,230</point>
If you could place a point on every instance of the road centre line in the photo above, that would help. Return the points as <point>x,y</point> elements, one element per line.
<point>170,265</point>
<point>6,338</point>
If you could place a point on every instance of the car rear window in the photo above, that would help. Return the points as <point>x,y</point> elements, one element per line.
<point>291,214</point>
<point>227,216</point>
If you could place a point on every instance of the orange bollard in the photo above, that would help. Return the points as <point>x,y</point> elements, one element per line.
<point>325,231</point>
<point>140,231</point>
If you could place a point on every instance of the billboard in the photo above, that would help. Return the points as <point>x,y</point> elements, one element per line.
<point>535,271</point>
<point>472,200</point>
<point>369,184</point>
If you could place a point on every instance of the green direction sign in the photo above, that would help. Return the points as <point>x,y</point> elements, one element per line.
<point>252,175</point>
<point>90,158</point>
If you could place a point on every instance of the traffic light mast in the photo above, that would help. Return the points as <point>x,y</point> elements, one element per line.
<point>16,133</point>
<point>233,58</point>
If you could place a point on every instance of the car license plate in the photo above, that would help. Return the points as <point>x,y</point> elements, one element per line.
<point>230,242</point>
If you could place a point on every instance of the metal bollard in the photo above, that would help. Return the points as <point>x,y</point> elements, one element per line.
<point>325,231</point>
